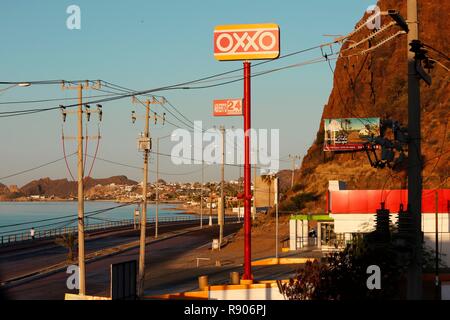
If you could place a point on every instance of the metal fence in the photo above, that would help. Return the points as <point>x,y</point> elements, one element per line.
<point>9,238</point>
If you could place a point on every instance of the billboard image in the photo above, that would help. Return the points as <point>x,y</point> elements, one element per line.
<point>348,134</point>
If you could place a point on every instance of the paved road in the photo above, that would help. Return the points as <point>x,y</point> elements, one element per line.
<point>174,281</point>
<point>21,261</point>
<point>97,277</point>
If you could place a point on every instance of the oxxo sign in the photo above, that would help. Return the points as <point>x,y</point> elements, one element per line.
<point>247,42</point>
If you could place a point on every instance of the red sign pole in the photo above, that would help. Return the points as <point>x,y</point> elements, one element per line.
<point>247,176</point>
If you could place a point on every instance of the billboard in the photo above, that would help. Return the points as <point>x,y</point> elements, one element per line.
<point>227,107</point>
<point>247,41</point>
<point>349,134</point>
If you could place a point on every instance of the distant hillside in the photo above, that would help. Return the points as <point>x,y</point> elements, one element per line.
<point>375,85</point>
<point>3,188</point>
<point>285,178</point>
<point>63,188</point>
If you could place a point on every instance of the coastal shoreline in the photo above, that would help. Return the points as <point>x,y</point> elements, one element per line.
<point>75,200</point>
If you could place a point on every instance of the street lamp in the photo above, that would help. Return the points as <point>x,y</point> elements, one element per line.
<point>22,85</point>
<point>157,182</point>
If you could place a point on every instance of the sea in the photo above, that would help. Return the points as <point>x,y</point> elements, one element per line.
<point>18,217</point>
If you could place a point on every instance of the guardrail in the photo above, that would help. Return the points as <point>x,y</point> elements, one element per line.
<point>90,228</point>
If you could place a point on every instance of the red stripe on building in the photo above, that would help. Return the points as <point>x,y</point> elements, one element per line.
<point>368,201</point>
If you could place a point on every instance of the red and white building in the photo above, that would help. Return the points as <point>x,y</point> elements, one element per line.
<point>353,211</point>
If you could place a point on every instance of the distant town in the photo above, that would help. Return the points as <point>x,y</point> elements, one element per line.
<point>118,189</point>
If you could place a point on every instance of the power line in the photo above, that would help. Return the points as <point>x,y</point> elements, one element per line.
<point>169,87</point>
<point>437,51</point>
<point>55,99</point>
<point>35,168</point>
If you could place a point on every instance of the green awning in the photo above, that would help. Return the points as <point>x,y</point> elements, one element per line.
<point>312,217</point>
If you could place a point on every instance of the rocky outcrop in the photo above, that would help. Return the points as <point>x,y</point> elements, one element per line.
<point>63,188</point>
<point>375,85</point>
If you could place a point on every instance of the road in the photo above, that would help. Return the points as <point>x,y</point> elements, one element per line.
<point>97,272</point>
<point>14,263</point>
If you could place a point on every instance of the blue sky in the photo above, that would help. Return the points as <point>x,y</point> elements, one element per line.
<point>147,44</point>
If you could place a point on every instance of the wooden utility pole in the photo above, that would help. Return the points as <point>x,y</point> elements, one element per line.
<point>201,193</point>
<point>157,188</point>
<point>221,206</point>
<point>277,185</point>
<point>147,147</point>
<point>81,262</point>
<point>210,207</point>
<point>144,145</point>
<point>81,252</point>
<point>437,282</point>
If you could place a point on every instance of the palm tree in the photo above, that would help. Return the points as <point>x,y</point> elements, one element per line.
<point>268,179</point>
<point>68,241</point>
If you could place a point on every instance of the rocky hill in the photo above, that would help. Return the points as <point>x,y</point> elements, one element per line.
<point>63,188</point>
<point>375,85</point>
<point>3,189</point>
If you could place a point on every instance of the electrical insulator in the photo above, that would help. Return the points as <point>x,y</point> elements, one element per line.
<point>417,48</point>
<point>88,112</point>
<point>428,64</point>
<point>100,112</point>
<point>63,112</point>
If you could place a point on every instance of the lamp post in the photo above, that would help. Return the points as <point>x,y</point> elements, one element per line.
<point>157,183</point>
<point>22,85</point>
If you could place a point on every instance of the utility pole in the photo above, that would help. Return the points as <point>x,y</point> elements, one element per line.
<point>414,274</point>
<point>293,158</point>
<point>210,207</point>
<point>254,184</point>
<point>146,149</point>
<point>221,208</point>
<point>276,215</point>
<point>81,252</point>
<point>81,262</point>
<point>157,182</point>
<point>157,188</point>
<point>201,194</point>
<point>145,145</point>
<point>241,189</point>
<point>436,249</point>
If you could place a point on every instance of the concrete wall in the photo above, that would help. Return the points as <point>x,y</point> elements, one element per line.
<point>298,234</point>
<point>365,222</point>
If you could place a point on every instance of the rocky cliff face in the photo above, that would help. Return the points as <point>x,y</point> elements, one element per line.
<point>375,85</point>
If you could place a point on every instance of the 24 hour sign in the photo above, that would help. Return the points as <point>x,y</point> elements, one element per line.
<point>228,107</point>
